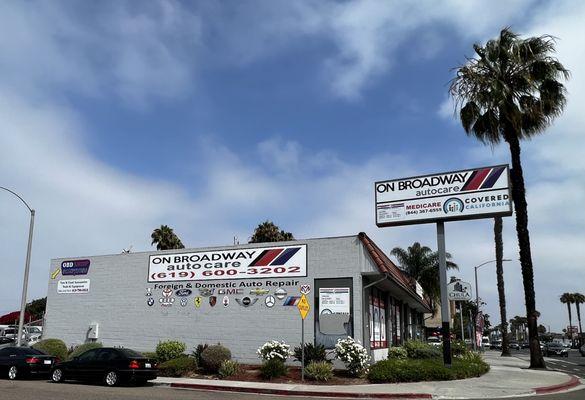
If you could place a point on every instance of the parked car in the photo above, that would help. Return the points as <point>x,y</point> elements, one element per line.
<point>109,365</point>
<point>524,345</point>
<point>16,362</point>
<point>582,350</point>
<point>496,345</point>
<point>434,341</point>
<point>515,345</point>
<point>485,343</point>
<point>555,349</point>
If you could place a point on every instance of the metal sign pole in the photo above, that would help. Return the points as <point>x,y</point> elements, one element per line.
<point>444,295</point>
<point>303,347</point>
<point>461,318</point>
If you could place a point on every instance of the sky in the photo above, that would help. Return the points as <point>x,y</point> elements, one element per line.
<point>211,117</point>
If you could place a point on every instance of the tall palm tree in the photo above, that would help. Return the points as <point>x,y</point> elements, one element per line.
<point>166,239</point>
<point>267,231</point>
<point>501,292</point>
<point>579,299</point>
<point>509,92</point>
<point>421,263</point>
<point>568,299</point>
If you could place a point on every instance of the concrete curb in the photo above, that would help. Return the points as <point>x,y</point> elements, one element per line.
<point>571,383</point>
<point>304,393</point>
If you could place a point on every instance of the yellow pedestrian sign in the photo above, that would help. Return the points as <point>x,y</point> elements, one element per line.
<point>303,306</point>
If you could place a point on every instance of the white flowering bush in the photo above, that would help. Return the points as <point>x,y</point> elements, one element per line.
<point>274,350</point>
<point>353,355</point>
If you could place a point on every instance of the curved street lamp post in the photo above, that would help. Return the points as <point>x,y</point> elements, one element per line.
<point>477,298</point>
<point>26,267</point>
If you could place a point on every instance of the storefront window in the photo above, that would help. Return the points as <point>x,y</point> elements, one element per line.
<point>378,320</point>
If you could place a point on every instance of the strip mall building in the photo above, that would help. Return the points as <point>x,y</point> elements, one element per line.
<point>241,296</point>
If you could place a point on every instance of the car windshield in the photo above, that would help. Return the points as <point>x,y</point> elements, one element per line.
<point>555,345</point>
<point>433,339</point>
<point>131,353</point>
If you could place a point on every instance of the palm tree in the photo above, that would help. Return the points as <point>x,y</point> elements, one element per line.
<point>165,239</point>
<point>509,92</point>
<point>421,263</point>
<point>500,275</point>
<point>267,231</point>
<point>568,299</point>
<point>579,299</point>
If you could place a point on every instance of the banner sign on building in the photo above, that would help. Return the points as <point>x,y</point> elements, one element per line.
<point>249,263</point>
<point>458,195</point>
<point>73,286</point>
<point>75,267</point>
<point>459,291</point>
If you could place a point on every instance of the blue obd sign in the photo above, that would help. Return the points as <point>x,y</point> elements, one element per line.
<point>75,267</point>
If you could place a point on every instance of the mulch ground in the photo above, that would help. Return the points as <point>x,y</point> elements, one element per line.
<point>251,373</point>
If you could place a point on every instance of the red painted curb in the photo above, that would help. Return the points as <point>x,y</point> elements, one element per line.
<point>571,383</point>
<point>284,392</point>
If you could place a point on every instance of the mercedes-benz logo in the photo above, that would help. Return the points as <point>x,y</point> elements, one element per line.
<point>270,301</point>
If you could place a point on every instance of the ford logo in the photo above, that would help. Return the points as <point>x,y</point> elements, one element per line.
<point>183,292</point>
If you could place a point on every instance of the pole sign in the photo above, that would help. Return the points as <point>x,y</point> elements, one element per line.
<point>459,291</point>
<point>304,306</point>
<point>450,196</point>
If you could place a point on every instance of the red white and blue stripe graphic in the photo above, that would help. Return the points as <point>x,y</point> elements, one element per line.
<point>274,257</point>
<point>484,178</point>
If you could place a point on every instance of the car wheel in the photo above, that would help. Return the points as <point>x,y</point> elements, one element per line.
<point>57,375</point>
<point>111,378</point>
<point>12,372</point>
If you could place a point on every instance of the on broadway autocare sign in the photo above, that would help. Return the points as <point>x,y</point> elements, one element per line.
<point>474,193</point>
<point>251,263</point>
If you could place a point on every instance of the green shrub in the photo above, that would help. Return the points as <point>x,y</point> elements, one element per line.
<point>198,351</point>
<point>398,353</point>
<point>54,347</point>
<point>273,368</point>
<point>228,368</point>
<point>213,356</point>
<point>414,370</point>
<point>177,367</point>
<point>421,350</point>
<point>169,350</point>
<point>459,348</point>
<point>319,371</point>
<point>312,353</point>
<point>150,354</point>
<point>82,348</point>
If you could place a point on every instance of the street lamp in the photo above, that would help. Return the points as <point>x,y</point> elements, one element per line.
<point>477,297</point>
<point>26,267</point>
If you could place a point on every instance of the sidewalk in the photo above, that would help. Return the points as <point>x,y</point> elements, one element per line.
<point>508,377</point>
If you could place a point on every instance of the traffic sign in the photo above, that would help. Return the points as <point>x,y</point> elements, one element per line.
<point>303,306</point>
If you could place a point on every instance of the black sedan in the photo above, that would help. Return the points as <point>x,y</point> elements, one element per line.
<point>109,365</point>
<point>17,362</point>
<point>555,349</point>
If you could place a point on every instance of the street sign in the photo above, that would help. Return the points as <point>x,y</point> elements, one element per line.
<point>459,291</point>
<point>303,306</point>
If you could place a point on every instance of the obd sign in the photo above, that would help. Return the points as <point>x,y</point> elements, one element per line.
<point>458,195</point>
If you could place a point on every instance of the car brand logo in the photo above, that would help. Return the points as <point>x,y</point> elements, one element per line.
<point>149,291</point>
<point>270,301</point>
<point>246,301</point>
<point>197,301</point>
<point>183,302</point>
<point>280,294</point>
<point>166,301</point>
<point>212,300</point>
<point>167,292</point>
<point>226,301</point>
<point>291,301</point>
<point>150,301</point>
<point>230,291</point>
<point>183,292</point>
<point>306,289</point>
<point>206,292</point>
<point>259,291</point>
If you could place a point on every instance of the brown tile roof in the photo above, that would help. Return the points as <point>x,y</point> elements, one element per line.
<point>386,266</point>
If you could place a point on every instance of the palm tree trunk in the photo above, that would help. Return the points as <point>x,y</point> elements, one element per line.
<point>569,331</point>
<point>577,304</point>
<point>500,275</point>
<point>521,207</point>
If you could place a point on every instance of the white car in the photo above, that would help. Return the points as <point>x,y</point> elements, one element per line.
<point>434,341</point>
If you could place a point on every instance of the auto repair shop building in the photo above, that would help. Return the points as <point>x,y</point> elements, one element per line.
<point>241,296</point>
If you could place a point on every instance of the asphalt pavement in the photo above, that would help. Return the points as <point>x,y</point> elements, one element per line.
<point>574,364</point>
